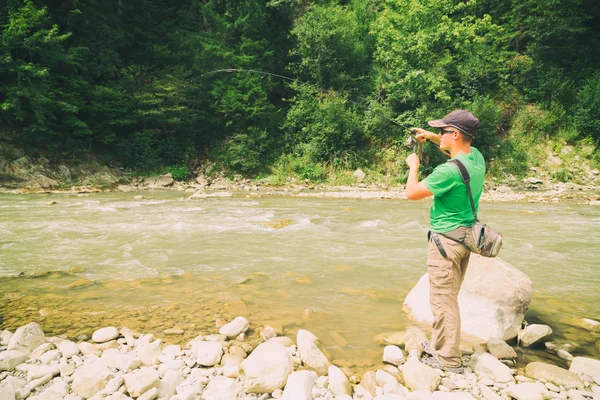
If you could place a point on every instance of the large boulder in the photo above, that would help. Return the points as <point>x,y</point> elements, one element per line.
<point>27,338</point>
<point>267,368</point>
<point>493,300</point>
<point>587,366</point>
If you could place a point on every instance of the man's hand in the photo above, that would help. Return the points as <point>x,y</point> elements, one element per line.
<point>413,161</point>
<point>423,135</point>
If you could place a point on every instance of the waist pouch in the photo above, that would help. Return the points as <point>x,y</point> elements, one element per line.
<point>479,238</point>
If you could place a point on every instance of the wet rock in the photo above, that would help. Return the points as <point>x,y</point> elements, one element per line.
<point>338,382</point>
<point>283,340</point>
<point>299,385</point>
<point>493,299</point>
<point>500,349</point>
<point>267,368</point>
<point>235,327</point>
<point>27,338</point>
<point>312,357</point>
<point>105,334</point>
<point>534,334</point>
<point>485,365</point>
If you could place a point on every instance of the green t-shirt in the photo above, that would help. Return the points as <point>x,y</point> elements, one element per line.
<point>451,207</point>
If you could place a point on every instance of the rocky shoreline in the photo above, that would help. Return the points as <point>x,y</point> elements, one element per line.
<point>25,176</point>
<point>537,192</point>
<point>120,364</point>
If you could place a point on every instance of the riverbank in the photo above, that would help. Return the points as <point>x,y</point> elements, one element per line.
<point>27,176</point>
<point>531,191</point>
<point>243,361</point>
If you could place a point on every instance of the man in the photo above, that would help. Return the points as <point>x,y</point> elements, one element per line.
<point>450,217</point>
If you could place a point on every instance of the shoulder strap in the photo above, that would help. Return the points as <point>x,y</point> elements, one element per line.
<point>467,180</point>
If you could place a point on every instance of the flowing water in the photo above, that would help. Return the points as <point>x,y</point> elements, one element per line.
<point>175,267</point>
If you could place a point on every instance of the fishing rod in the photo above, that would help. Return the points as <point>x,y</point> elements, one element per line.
<point>410,141</point>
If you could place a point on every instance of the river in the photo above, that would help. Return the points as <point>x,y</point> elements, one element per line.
<point>172,266</point>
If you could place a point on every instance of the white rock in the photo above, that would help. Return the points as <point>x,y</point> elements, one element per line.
<point>393,355</point>
<point>500,349</point>
<point>87,348</point>
<point>533,334</point>
<point>68,349</point>
<point>39,382</point>
<point>487,393</point>
<point>40,350</point>
<point>486,365</point>
<point>575,395</point>
<point>49,356</point>
<point>125,362</point>
<point>527,391</point>
<point>169,383</point>
<point>452,396</point>
<point>235,327</point>
<point>222,388</point>
<point>231,371</point>
<point>299,385</point>
<point>418,376</point>
<point>312,357</point>
<point>37,371</point>
<point>148,353</point>
<point>383,378</point>
<point>66,369</point>
<point>267,368</point>
<point>105,334</point>
<point>390,397</point>
<point>493,299</point>
<point>151,394</point>
<point>90,379</point>
<point>11,358</point>
<point>585,365</point>
<point>5,337</point>
<point>282,340</point>
<point>112,385</point>
<point>208,353</point>
<point>141,380</point>
<point>7,391</point>
<point>360,393</point>
<point>552,373</point>
<point>27,338</point>
<point>338,382</point>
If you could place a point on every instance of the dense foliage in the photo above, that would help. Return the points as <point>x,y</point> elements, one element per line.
<point>127,82</point>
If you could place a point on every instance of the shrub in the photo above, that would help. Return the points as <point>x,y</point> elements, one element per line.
<point>586,112</point>
<point>179,172</point>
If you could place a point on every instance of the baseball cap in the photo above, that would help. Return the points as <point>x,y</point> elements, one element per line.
<point>462,120</point>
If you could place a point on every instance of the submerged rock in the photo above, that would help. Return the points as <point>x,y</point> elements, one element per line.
<point>534,334</point>
<point>493,299</point>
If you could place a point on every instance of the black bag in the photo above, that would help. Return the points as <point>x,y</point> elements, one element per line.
<point>486,242</point>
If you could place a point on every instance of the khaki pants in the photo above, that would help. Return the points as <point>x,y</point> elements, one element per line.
<point>445,278</point>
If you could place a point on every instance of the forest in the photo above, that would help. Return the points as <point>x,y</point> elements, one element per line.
<point>131,83</point>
